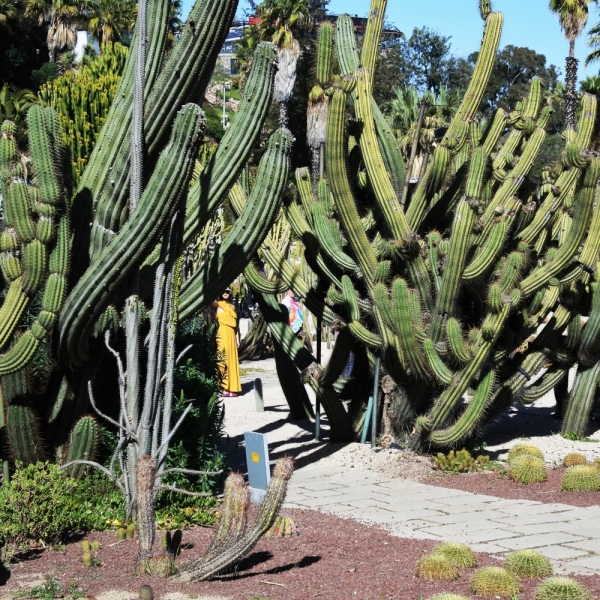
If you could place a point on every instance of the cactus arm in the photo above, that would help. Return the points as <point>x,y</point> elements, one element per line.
<point>470,417</point>
<point>340,186</point>
<point>305,192</point>
<point>12,308</point>
<point>83,444</point>
<point>495,131</point>
<point>548,382</point>
<point>452,395</point>
<point>590,338</point>
<point>304,232</point>
<point>128,249</point>
<point>370,49</point>
<point>453,272</point>
<point>277,320</point>
<point>338,359</point>
<point>436,364</point>
<point>248,231</point>
<point>581,400</point>
<point>237,143</point>
<point>259,282</point>
<point>328,243</point>
<point>455,340</point>
<point>583,210</point>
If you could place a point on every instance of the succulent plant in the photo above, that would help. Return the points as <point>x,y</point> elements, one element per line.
<point>528,564</point>
<point>88,559</point>
<point>561,588</point>
<point>527,469</point>
<point>283,527</point>
<point>95,546</point>
<point>130,531</point>
<point>146,593</point>
<point>459,554</point>
<point>448,596</point>
<point>527,449</point>
<point>574,458</point>
<point>121,534</point>
<point>86,546</point>
<point>494,581</point>
<point>438,567</point>
<point>581,478</point>
<point>460,461</point>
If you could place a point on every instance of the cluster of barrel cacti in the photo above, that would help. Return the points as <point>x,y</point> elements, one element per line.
<point>68,257</point>
<point>82,99</point>
<point>448,282</point>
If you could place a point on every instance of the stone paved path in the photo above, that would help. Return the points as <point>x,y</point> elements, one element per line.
<point>567,535</point>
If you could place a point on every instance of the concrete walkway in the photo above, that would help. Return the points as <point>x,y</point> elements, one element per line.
<point>567,535</point>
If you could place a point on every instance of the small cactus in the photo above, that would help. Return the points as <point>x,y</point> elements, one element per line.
<point>528,564</point>
<point>88,559</point>
<point>528,449</point>
<point>436,566</point>
<point>283,527</point>
<point>460,461</point>
<point>121,534</point>
<point>86,546</point>
<point>561,588</point>
<point>527,469</point>
<point>146,593</point>
<point>448,596</point>
<point>570,460</point>
<point>494,581</point>
<point>95,546</point>
<point>581,478</point>
<point>459,554</point>
<point>130,532</point>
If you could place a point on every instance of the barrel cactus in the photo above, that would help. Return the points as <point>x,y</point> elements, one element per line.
<point>581,478</point>
<point>494,581</point>
<point>524,449</point>
<point>527,469</point>
<point>574,458</point>
<point>438,567</point>
<point>459,554</point>
<point>561,588</point>
<point>528,564</point>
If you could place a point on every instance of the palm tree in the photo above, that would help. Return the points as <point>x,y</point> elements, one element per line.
<point>8,11</point>
<point>61,15</point>
<point>573,15</point>
<point>403,114</point>
<point>283,21</point>
<point>175,22</point>
<point>109,20</point>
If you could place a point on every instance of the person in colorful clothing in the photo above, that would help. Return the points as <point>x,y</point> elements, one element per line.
<point>227,344</point>
<point>296,316</point>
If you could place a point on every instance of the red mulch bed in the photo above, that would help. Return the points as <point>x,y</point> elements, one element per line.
<point>331,558</point>
<point>495,483</point>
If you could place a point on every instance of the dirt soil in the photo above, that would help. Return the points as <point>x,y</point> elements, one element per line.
<point>331,558</point>
<point>496,483</point>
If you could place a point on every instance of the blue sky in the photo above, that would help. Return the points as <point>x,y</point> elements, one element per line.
<point>527,23</point>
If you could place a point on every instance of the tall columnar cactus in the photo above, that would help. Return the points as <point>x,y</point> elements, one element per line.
<point>113,242</point>
<point>450,289</point>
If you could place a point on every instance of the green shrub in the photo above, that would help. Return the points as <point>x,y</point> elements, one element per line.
<point>581,478</point>
<point>460,461</point>
<point>35,506</point>
<point>527,449</point>
<point>527,469</point>
<point>448,596</point>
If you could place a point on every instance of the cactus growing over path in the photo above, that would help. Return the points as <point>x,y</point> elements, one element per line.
<point>448,281</point>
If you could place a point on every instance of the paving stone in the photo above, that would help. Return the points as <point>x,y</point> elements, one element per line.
<point>513,521</point>
<point>321,485</point>
<point>466,497</point>
<point>489,548</point>
<point>453,529</point>
<point>588,545</point>
<point>466,518</point>
<point>537,508</point>
<point>536,528</point>
<point>560,552</point>
<point>472,507</point>
<point>538,541</point>
<point>589,562</point>
<point>483,535</point>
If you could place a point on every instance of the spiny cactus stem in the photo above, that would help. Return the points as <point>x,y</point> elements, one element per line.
<point>413,154</point>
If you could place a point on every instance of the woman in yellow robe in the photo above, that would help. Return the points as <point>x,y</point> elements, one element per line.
<point>227,343</point>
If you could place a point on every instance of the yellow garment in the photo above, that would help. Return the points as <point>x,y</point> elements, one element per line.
<point>226,342</point>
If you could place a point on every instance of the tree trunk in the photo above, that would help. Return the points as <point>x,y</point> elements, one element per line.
<point>146,474</point>
<point>571,82</point>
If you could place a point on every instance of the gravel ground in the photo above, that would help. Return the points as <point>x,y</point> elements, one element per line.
<point>533,423</point>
